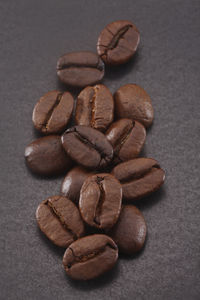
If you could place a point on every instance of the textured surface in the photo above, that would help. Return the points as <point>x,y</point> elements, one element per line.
<point>33,35</point>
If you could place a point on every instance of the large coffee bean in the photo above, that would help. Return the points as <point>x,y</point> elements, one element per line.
<point>73,182</point>
<point>87,146</point>
<point>46,156</point>
<point>127,138</point>
<point>95,107</point>
<point>53,112</point>
<point>60,220</point>
<point>80,68</point>
<point>129,232</point>
<point>132,102</point>
<point>100,200</point>
<point>118,42</point>
<point>139,177</point>
<point>90,257</point>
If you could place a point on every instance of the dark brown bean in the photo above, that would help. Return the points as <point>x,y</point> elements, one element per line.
<point>139,177</point>
<point>129,232</point>
<point>53,112</point>
<point>95,107</point>
<point>100,200</point>
<point>90,257</point>
<point>60,220</point>
<point>46,156</point>
<point>87,146</point>
<point>80,68</point>
<point>127,138</point>
<point>132,102</point>
<point>73,182</point>
<point>118,42</point>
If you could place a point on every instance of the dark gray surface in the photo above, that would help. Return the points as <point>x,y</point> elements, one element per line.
<point>33,35</point>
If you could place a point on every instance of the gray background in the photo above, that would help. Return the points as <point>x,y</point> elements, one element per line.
<point>33,34</point>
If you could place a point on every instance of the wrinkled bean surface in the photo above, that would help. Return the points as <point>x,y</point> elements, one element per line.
<point>60,220</point>
<point>95,107</point>
<point>139,177</point>
<point>87,146</point>
<point>118,42</point>
<point>53,112</point>
<point>90,257</point>
<point>100,200</point>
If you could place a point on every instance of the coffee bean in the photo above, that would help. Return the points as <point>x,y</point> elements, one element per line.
<point>118,42</point>
<point>80,68</point>
<point>60,220</point>
<point>129,232</point>
<point>139,177</point>
<point>87,146</point>
<point>95,107</point>
<point>90,257</point>
<point>132,102</point>
<point>127,138</point>
<point>73,182</point>
<point>100,200</point>
<point>46,156</point>
<point>52,112</point>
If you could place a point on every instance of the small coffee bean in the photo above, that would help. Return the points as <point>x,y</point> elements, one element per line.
<point>127,138</point>
<point>59,219</point>
<point>46,156</point>
<point>73,182</point>
<point>95,107</point>
<point>87,146</point>
<point>53,112</point>
<point>100,200</point>
<point>129,232</point>
<point>132,102</point>
<point>118,42</point>
<point>80,68</point>
<point>90,257</point>
<point>139,177</point>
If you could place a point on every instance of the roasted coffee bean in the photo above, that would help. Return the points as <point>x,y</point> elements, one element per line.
<point>95,107</point>
<point>53,112</point>
<point>90,257</point>
<point>139,177</point>
<point>46,156</point>
<point>87,146</point>
<point>100,200</point>
<point>129,232</point>
<point>132,102</point>
<point>127,138</point>
<point>59,219</point>
<point>118,42</point>
<point>73,182</point>
<point>80,68</point>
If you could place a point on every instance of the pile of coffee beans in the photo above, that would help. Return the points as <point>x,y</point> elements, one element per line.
<point>93,217</point>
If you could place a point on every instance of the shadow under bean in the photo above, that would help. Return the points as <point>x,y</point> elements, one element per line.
<point>95,283</point>
<point>48,244</point>
<point>149,201</point>
<point>117,72</point>
<point>136,255</point>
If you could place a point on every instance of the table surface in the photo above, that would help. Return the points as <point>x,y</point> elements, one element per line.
<point>33,35</point>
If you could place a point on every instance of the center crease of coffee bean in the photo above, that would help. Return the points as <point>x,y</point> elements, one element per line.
<point>123,138</point>
<point>59,216</point>
<point>49,114</point>
<point>119,35</point>
<point>98,66</point>
<point>140,174</point>
<point>92,106</point>
<point>86,257</point>
<point>100,202</point>
<point>87,142</point>
<point>115,40</point>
